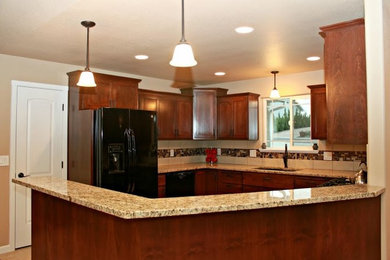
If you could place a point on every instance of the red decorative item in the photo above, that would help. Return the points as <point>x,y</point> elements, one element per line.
<point>211,155</point>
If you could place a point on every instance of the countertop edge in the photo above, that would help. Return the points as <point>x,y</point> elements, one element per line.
<point>166,207</point>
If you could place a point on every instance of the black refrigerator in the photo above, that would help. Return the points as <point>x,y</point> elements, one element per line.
<point>125,151</point>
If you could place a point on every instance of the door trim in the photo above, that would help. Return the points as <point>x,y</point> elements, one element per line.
<point>14,94</point>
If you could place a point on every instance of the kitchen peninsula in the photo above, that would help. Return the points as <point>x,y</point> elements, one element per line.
<point>77,221</point>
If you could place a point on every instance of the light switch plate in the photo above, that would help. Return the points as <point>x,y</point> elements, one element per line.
<point>327,156</point>
<point>171,152</point>
<point>252,153</point>
<point>4,160</point>
<point>219,152</point>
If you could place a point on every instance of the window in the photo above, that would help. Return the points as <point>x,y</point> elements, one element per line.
<point>287,121</point>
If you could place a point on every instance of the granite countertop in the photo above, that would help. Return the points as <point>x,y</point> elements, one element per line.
<point>129,206</point>
<point>252,168</point>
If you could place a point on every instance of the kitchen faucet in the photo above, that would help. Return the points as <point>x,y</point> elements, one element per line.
<point>285,156</point>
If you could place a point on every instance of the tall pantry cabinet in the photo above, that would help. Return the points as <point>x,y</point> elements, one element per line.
<point>345,78</point>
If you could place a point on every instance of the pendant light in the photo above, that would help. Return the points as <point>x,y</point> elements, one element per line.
<point>183,55</point>
<point>274,92</point>
<point>86,77</point>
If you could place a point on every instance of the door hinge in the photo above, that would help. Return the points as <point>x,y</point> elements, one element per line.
<point>63,107</point>
<point>62,164</point>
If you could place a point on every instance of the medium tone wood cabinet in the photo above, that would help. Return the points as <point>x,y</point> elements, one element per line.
<point>111,91</point>
<point>205,182</point>
<point>204,112</point>
<point>238,117</point>
<point>318,111</point>
<point>229,182</point>
<point>345,78</point>
<point>174,113</point>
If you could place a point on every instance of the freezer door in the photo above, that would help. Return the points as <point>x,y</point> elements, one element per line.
<point>143,125</point>
<point>111,167</point>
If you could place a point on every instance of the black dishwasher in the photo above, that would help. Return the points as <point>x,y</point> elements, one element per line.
<point>180,184</point>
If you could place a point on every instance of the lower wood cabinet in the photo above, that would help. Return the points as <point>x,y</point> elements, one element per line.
<point>209,182</point>
<point>205,182</point>
<point>161,185</point>
<point>267,181</point>
<point>309,182</point>
<point>229,182</point>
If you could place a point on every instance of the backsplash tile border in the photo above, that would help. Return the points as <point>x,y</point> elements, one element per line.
<point>336,155</point>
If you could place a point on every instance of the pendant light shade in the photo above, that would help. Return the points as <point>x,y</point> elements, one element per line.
<point>86,78</point>
<point>274,91</point>
<point>183,55</point>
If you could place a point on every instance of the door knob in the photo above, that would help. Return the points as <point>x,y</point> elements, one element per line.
<point>21,175</point>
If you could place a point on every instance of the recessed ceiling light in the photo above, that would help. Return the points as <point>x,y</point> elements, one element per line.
<point>141,57</point>
<point>244,29</point>
<point>312,58</point>
<point>220,73</point>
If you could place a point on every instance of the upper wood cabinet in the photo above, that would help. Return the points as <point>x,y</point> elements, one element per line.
<point>110,91</point>
<point>318,111</point>
<point>345,78</point>
<point>238,116</point>
<point>204,112</point>
<point>174,113</point>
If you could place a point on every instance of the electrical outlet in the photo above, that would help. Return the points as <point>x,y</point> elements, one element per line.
<point>252,153</point>
<point>4,160</point>
<point>171,152</point>
<point>219,152</point>
<point>327,156</point>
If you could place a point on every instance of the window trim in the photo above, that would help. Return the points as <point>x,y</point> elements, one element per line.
<point>290,144</point>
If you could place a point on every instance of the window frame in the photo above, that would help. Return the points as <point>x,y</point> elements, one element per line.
<point>290,144</point>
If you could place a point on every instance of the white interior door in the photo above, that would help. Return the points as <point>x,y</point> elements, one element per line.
<point>41,128</point>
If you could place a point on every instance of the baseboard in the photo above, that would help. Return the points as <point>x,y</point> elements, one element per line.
<point>6,249</point>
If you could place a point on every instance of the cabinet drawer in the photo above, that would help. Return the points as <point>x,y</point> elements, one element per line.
<point>269,180</point>
<point>224,188</point>
<point>250,188</point>
<point>309,182</point>
<point>230,177</point>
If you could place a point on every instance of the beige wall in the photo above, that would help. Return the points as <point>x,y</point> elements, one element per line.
<point>378,100</point>
<point>23,69</point>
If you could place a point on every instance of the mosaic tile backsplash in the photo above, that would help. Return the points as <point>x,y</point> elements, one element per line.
<point>336,155</point>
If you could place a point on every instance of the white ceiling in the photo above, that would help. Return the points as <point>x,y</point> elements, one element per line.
<point>286,32</point>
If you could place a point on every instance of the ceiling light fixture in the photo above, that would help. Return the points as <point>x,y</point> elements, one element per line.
<point>86,77</point>
<point>220,73</point>
<point>274,92</point>
<point>313,58</point>
<point>244,29</point>
<point>183,55</point>
<point>141,57</point>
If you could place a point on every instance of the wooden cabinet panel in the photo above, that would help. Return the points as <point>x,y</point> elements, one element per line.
<point>309,182</point>
<point>161,185</point>
<point>205,112</point>
<point>166,118</point>
<point>110,91</point>
<point>238,116</point>
<point>225,122</point>
<point>226,188</point>
<point>274,181</point>
<point>345,78</point>
<point>205,182</point>
<point>251,188</point>
<point>174,113</point>
<point>230,177</point>
<point>184,118</point>
<point>318,111</point>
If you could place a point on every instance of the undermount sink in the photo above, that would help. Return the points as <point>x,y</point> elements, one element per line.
<point>276,169</point>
